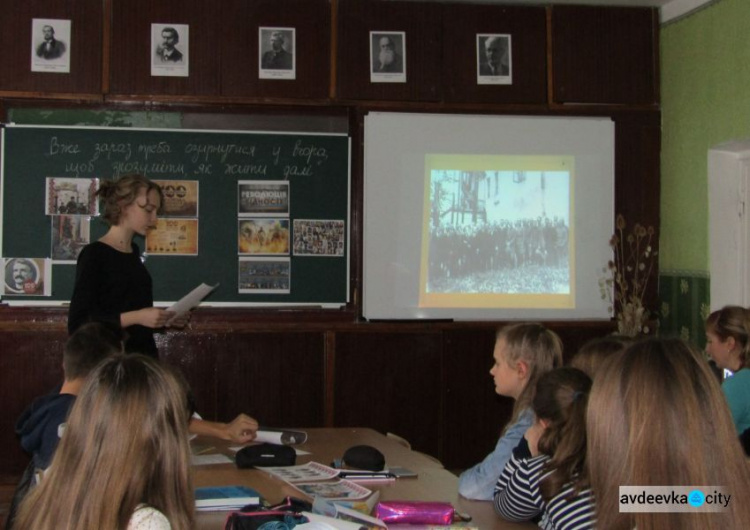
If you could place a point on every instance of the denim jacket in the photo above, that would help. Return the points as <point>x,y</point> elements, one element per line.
<point>478,482</point>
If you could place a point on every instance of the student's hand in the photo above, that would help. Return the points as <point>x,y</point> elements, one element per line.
<point>532,436</point>
<point>153,317</point>
<point>242,429</point>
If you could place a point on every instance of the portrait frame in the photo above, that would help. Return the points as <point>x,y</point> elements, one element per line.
<point>504,69</point>
<point>395,72</point>
<point>39,282</point>
<point>54,58</point>
<point>280,64</point>
<point>166,63</point>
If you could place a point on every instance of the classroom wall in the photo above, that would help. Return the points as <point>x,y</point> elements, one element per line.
<point>705,101</point>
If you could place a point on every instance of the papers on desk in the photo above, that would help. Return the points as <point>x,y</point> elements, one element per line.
<point>204,460</point>
<point>225,497</point>
<point>302,473</point>
<point>336,490</point>
<point>314,479</point>
<point>280,436</point>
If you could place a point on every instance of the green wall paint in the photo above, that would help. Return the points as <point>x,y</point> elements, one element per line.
<point>705,91</point>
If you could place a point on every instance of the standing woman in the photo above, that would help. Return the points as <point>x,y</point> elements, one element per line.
<point>728,344</point>
<point>123,460</point>
<point>112,284</point>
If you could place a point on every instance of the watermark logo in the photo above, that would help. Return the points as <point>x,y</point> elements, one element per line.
<point>674,499</point>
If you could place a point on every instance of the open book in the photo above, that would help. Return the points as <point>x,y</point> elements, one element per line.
<point>303,473</point>
<point>336,490</point>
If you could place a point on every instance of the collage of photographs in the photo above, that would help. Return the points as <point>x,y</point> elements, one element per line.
<point>264,233</point>
<point>277,53</point>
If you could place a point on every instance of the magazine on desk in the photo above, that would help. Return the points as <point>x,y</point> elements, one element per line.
<point>302,473</point>
<point>336,490</point>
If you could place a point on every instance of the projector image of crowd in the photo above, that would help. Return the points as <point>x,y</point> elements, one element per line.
<point>522,256</point>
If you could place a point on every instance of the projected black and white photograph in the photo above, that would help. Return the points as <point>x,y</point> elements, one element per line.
<point>499,232</point>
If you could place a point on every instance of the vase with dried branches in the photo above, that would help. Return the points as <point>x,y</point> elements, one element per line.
<point>627,276</point>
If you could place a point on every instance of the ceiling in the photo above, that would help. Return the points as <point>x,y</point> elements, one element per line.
<point>669,9</point>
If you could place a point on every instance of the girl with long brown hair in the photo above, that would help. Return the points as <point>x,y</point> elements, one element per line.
<point>123,460</point>
<point>546,476</point>
<point>657,417</point>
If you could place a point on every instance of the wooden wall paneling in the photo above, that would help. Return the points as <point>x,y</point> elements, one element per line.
<point>638,182</point>
<point>474,414</point>
<point>84,48</point>
<point>194,354</point>
<point>473,410</point>
<point>277,378</point>
<point>422,24</point>
<point>527,27</point>
<point>241,20</point>
<point>389,381</point>
<point>132,50</point>
<point>30,367</point>
<point>605,55</point>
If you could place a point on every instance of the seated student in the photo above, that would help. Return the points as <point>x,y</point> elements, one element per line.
<point>657,417</point>
<point>728,344</point>
<point>522,354</point>
<point>123,461</point>
<point>590,357</point>
<point>39,425</point>
<point>546,476</point>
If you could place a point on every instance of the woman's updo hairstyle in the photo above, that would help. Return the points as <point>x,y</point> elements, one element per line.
<point>116,194</point>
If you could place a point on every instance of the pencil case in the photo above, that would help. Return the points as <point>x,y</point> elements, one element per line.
<point>414,512</point>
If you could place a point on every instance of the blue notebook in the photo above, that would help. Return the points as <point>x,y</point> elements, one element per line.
<point>225,497</point>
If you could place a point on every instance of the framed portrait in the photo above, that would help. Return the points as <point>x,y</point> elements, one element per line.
<point>494,59</point>
<point>387,57</point>
<point>27,276</point>
<point>276,53</point>
<point>50,45</point>
<point>170,50</point>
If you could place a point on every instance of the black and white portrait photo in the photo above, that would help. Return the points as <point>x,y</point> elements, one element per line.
<point>494,65</point>
<point>387,57</point>
<point>50,45</point>
<point>276,51</point>
<point>170,50</point>
<point>27,276</point>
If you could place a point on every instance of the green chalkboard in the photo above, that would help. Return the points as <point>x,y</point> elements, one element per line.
<point>309,171</point>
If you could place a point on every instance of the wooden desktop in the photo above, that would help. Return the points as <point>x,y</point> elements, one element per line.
<point>434,482</point>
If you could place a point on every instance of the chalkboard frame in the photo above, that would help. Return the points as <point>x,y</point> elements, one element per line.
<point>319,284</point>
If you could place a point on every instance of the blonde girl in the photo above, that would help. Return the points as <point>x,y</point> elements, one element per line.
<point>123,461</point>
<point>522,354</point>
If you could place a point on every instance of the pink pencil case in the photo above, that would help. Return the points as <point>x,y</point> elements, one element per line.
<point>414,512</point>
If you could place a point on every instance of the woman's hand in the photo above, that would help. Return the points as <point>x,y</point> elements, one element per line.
<point>153,317</point>
<point>180,321</point>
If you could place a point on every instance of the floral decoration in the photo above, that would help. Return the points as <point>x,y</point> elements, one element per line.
<point>627,275</point>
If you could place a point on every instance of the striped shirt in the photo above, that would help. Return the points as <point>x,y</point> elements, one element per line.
<point>517,498</point>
